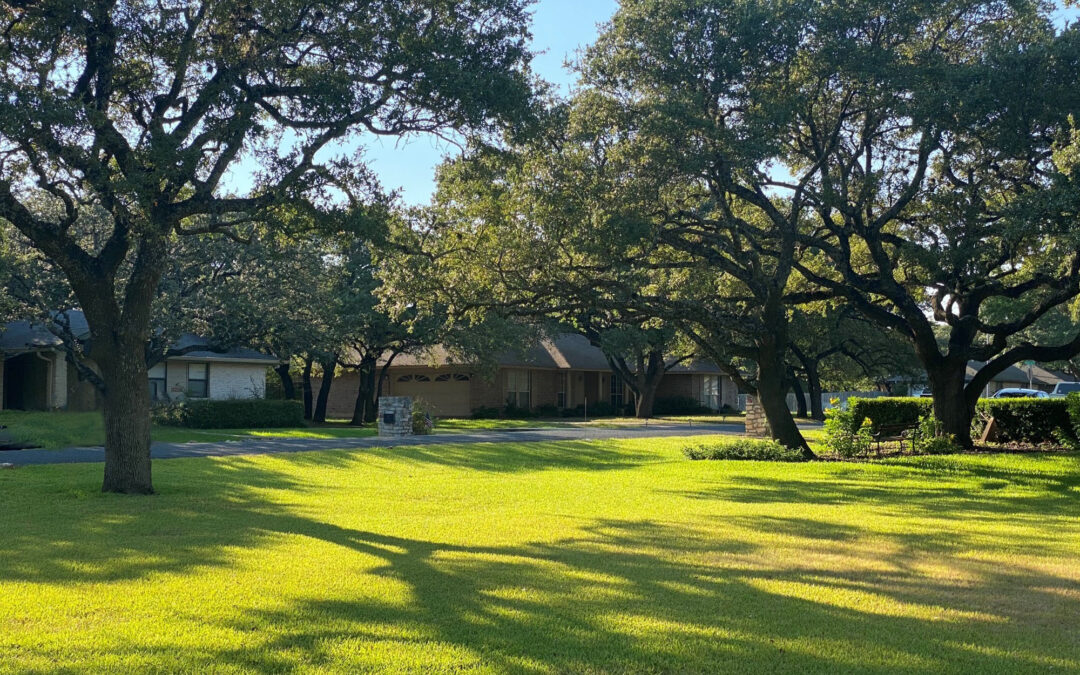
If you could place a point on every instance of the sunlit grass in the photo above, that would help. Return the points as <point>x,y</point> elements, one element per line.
<point>600,556</point>
<point>67,429</point>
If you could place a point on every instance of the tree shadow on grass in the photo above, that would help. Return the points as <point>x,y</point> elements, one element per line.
<point>609,601</point>
<point>616,595</point>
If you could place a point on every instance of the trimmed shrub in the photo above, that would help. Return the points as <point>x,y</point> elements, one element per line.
<point>253,413</point>
<point>547,410</point>
<point>1034,421</point>
<point>511,412</point>
<point>1071,438</point>
<point>887,411</point>
<point>486,413</point>
<point>744,448</point>
<point>601,409</point>
<point>679,405</point>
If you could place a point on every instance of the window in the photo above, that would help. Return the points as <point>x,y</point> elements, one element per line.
<point>456,377</point>
<point>415,378</point>
<point>560,396</point>
<point>710,391</point>
<point>517,389</point>
<point>157,383</point>
<point>616,391</point>
<point>197,380</point>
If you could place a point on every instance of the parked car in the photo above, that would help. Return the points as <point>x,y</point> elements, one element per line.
<point>1062,389</point>
<point>1020,393</point>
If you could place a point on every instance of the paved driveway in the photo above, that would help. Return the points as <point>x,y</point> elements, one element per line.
<point>262,446</point>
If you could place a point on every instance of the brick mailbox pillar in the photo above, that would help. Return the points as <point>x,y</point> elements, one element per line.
<point>395,416</point>
<point>756,424</point>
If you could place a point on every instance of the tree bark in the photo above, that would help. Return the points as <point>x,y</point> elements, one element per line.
<point>645,400</point>
<point>328,367</point>
<point>127,421</point>
<point>813,386</point>
<point>772,387</point>
<point>287,384</point>
<point>800,397</point>
<point>953,407</point>
<point>305,383</point>
<point>364,408</point>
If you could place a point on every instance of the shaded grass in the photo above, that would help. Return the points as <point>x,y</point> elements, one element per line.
<point>613,556</point>
<point>53,430</point>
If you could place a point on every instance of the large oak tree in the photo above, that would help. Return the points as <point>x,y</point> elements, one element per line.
<point>145,109</point>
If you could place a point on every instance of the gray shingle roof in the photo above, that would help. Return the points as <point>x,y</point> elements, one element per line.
<point>21,336</point>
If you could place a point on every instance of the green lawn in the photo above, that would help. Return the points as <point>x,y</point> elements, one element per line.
<point>468,424</point>
<point>66,429</point>
<point>570,557</point>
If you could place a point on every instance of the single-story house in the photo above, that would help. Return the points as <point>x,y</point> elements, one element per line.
<point>36,375</point>
<point>566,372</point>
<point>1017,377</point>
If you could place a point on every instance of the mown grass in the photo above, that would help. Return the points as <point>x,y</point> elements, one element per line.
<point>468,424</point>
<point>603,556</point>
<point>67,429</point>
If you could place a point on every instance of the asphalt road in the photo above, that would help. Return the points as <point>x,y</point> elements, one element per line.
<point>264,446</point>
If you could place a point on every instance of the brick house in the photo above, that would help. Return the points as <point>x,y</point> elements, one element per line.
<point>566,372</point>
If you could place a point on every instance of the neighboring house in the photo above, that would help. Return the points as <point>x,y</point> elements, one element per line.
<point>564,373</point>
<point>1017,377</point>
<point>37,376</point>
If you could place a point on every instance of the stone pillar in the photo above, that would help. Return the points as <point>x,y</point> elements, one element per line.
<point>756,424</point>
<point>395,416</point>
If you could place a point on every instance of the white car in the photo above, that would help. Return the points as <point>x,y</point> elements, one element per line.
<point>1020,393</point>
<point>1062,389</point>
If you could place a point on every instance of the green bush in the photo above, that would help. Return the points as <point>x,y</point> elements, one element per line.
<point>486,413</point>
<point>1033,421</point>
<point>600,409</point>
<point>548,410</point>
<point>744,448</point>
<point>843,436</point>
<point>253,413</point>
<point>422,423</point>
<point>888,411</point>
<point>679,405</point>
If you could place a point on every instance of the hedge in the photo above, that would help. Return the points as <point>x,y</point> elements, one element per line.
<point>744,448</point>
<point>679,405</point>
<point>888,411</point>
<point>1072,403</point>
<point>1033,421</point>
<point>252,413</point>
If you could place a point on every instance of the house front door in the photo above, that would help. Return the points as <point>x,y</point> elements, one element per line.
<point>592,387</point>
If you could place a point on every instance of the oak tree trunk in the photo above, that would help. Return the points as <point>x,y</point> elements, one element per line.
<point>328,367</point>
<point>305,383</point>
<point>364,408</point>
<point>800,398</point>
<point>813,386</point>
<point>772,389</point>
<point>952,408</point>
<point>127,420</point>
<point>645,400</point>
<point>287,384</point>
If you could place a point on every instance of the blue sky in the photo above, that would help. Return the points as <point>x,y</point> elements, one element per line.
<point>560,27</point>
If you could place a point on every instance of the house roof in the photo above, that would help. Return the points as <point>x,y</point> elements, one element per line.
<point>22,336</point>
<point>1039,375</point>
<point>567,351</point>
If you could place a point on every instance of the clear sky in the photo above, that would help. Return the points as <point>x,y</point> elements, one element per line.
<point>560,27</point>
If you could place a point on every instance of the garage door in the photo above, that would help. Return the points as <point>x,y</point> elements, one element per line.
<point>447,394</point>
